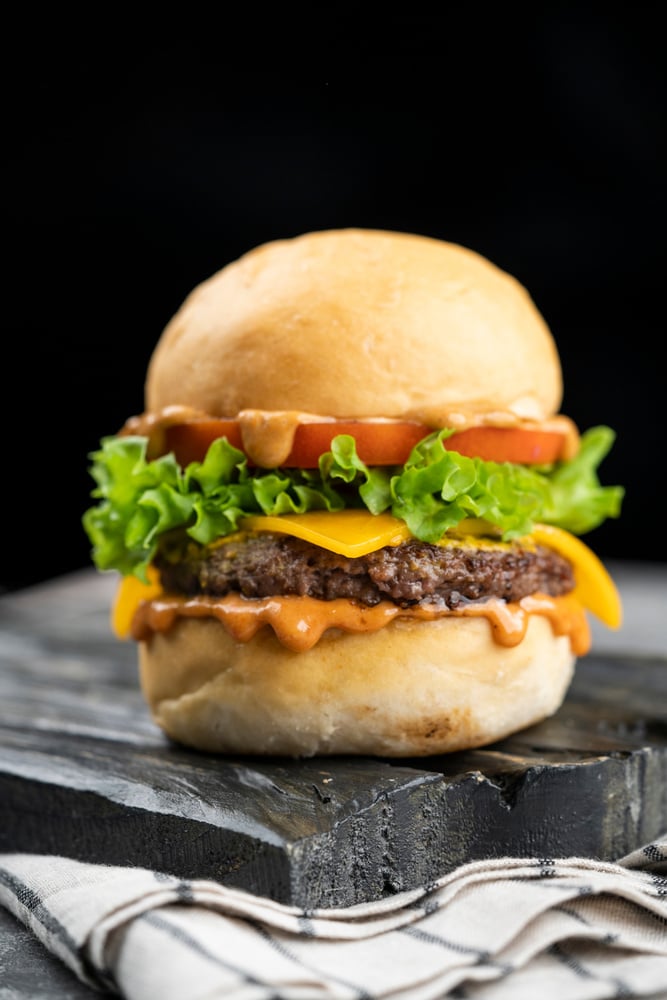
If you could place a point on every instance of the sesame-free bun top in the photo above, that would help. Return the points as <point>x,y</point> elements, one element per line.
<point>360,323</point>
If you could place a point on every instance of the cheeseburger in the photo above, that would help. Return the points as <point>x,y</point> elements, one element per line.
<point>348,519</point>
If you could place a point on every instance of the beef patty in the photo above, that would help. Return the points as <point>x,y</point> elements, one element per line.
<point>265,565</point>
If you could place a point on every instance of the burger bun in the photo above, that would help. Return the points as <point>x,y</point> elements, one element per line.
<point>410,689</point>
<point>359,324</point>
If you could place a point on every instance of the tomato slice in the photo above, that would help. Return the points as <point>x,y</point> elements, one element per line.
<point>508,444</point>
<point>190,442</point>
<point>378,443</point>
<point>383,443</point>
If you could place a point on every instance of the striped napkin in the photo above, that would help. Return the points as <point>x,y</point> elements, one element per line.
<point>503,929</point>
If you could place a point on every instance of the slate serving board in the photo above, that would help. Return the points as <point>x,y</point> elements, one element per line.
<point>84,772</point>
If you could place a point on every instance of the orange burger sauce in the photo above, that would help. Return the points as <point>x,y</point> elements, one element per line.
<point>299,622</point>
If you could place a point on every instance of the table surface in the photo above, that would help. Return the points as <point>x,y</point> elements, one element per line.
<point>26,969</point>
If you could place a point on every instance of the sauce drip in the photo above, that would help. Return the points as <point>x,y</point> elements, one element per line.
<point>268,435</point>
<point>299,622</point>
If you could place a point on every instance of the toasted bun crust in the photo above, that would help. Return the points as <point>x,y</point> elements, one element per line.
<point>360,323</point>
<point>410,689</point>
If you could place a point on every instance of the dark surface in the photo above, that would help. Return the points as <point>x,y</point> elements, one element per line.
<point>84,772</point>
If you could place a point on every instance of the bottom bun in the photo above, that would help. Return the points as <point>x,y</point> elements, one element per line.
<point>409,689</point>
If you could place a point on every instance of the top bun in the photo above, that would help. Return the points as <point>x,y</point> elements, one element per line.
<point>360,323</point>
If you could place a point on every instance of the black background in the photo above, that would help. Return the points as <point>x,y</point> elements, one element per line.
<point>142,158</point>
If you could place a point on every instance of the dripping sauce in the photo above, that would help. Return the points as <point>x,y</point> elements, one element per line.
<point>299,622</point>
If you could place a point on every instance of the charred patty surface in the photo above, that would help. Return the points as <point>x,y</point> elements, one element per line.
<point>269,564</point>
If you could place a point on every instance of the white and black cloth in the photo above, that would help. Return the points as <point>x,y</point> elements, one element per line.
<point>570,929</point>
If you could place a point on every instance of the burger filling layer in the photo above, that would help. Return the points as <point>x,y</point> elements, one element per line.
<point>267,564</point>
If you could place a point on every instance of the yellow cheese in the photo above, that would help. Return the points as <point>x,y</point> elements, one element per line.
<point>594,587</point>
<point>129,595</point>
<point>347,532</point>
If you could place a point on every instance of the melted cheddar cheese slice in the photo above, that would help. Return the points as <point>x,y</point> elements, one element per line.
<point>130,593</point>
<point>348,532</point>
<point>355,533</point>
<point>594,587</point>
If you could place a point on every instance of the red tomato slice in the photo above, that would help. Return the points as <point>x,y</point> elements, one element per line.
<point>378,443</point>
<point>508,444</point>
<point>190,442</point>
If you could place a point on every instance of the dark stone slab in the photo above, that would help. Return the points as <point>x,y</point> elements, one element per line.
<point>84,772</point>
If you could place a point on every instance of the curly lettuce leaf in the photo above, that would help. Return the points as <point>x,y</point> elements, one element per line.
<point>577,501</point>
<point>142,503</point>
<point>438,488</point>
